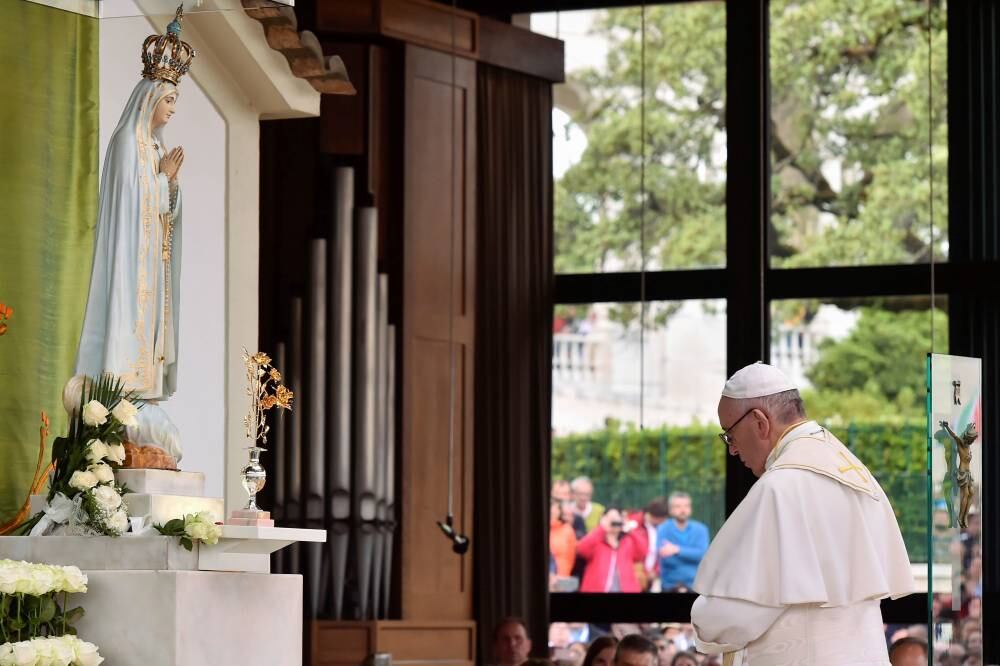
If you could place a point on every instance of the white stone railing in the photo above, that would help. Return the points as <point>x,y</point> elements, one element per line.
<point>577,358</point>
<point>794,349</point>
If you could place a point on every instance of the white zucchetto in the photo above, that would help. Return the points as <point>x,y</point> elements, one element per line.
<point>756,381</point>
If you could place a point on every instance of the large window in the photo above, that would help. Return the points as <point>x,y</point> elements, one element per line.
<point>766,199</point>
<point>858,107</point>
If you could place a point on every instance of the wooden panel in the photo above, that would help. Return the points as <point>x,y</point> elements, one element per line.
<point>343,118</point>
<point>430,24</point>
<point>353,17</point>
<point>508,46</point>
<point>335,643</point>
<point>437,583</point>
<point>343,643</point>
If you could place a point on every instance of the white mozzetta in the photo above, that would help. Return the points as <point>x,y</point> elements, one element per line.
<point>169,618</point>
<point>162,482</point>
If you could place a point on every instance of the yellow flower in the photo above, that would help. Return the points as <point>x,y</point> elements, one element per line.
<point>275,375</point>
<point>284,397</point>
<point>260,358</point>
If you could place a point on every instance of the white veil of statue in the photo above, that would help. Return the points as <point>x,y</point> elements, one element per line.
<point>131,323</point>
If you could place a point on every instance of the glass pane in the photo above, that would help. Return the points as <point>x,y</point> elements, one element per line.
<point>570,641</point>
<point>850,125</point>
<point>600,360</point>
<point>860,366</point>
<point>956,433</point>
<point>598,144</point>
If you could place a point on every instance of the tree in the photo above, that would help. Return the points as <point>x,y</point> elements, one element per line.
<point>877,371</point>
<point>850,124</point>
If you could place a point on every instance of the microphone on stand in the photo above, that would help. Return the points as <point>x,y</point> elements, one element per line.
<point>460,542</point>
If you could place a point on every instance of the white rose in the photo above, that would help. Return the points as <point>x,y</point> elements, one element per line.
<point>74,580</point>
<point>60,651</point>
<point>25,654</point>
<point>43,651</point>
<point>116,453</point>
<point>34,579</point>
<point>96,450</point>
<point>118,521</point>
<point>103,472</point>
<point>86,654</point>
<point>82,480</point>
<point>107,498</point>
<point>8,580</point>
<point>126,413</point>
<point>196,531</point>
<point>95,414</point>
<point>6,654</point>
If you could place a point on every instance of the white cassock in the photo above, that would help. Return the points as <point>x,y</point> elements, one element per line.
<point>796,573</point>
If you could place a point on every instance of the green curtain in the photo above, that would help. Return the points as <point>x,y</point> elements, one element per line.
<point>48,208</point>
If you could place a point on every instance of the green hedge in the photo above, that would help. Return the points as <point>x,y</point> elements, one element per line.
<point>629,468</point>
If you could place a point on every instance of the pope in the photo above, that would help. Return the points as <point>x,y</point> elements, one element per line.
<point>796,573</point>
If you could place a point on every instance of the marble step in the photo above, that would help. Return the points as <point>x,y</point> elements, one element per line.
<point>159,508</point>
<point>162,482</point>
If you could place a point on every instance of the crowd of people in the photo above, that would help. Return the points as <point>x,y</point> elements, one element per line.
<point>596,548</point>
<point>673,644</point>
<point>590,645</point>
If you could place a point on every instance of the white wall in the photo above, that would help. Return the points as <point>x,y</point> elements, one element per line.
<point>199,406</point>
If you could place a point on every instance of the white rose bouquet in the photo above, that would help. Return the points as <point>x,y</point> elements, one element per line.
<point>36,624</point>
<point>83,494</point>
<point>65,650</point>
<point>192,527</point>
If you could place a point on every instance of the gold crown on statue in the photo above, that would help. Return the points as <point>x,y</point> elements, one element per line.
<point>166,57</point>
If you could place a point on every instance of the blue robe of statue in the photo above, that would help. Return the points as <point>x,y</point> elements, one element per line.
<point>131,322</point>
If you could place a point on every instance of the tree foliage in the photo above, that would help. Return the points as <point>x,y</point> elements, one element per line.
<point>850,121</point>
<point>877,371</point>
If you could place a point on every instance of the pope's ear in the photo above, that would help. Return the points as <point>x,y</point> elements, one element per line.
<point>762,423</point>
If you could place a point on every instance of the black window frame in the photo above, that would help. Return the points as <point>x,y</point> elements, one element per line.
<point>970,279</point>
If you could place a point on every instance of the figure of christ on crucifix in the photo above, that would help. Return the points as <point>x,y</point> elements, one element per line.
<point>964,474</point>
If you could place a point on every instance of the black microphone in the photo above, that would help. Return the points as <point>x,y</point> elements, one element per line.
<point>459,542</point>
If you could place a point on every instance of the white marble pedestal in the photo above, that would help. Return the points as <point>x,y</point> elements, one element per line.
<point>174,618</point>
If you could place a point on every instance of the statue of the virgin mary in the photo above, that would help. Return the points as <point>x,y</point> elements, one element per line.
<point>131,324</point>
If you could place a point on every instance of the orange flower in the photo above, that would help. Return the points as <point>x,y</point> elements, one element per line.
<point>3,328</point>
<point>268,402</point>
<point>284,397</point>
<point>275,375</point>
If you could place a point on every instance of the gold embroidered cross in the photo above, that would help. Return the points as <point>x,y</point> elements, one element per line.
<point>852,466</point>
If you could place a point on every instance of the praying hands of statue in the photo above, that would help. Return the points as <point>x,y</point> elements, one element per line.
<point>171,163</point>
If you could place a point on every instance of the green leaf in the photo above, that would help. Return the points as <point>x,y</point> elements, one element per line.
<point>47,610</point>
<point>73,616</point>
<point>186,542</point>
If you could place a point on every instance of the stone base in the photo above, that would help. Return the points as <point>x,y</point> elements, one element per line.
<point>251,522</point>
<point>240,548</point>
<point>169,618</point>
<point>100,552</point>
<point>162,482</point>
<point>158,508</point>
<point>246,518</point>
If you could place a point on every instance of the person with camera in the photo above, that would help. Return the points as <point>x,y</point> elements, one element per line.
<point>610,553</point>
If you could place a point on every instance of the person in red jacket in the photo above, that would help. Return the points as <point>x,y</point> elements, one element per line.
<point>611,554</point>
<point>642,526</point>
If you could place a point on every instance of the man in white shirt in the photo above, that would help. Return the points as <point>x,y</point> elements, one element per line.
<point>796,573</point>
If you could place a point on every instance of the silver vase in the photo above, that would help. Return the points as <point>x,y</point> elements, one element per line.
<point>253,476</point>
